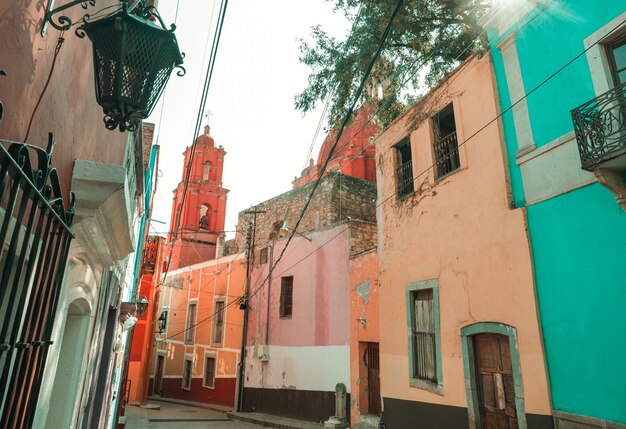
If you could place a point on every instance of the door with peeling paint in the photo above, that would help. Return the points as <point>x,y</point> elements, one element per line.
<point>496,388</point>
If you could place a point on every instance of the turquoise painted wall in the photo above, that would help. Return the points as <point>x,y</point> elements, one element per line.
<point>578,238</point>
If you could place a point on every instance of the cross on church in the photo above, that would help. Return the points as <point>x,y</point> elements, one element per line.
<point>207,115</point>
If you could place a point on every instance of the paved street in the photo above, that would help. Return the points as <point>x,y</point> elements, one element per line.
<point>174,416</point>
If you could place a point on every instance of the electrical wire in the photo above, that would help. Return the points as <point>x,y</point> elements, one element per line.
<point>534,89</point>
<point>57,49</point>
<point>207,82</point>
<point>324,166</point>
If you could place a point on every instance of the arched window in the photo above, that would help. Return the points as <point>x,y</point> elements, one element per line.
<point>206,169</point>
<point>204,217</point>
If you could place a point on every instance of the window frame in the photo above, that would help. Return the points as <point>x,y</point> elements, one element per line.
<point>405,141</point>
<point>204,383</point>
<point>412,287</point>
<point>214,343</point>
<point>190,331</point>
<point>283,297</point>
<point>263,255</point>
<point>188,358</point>
<point>615,42</point>
<point>436,138</point>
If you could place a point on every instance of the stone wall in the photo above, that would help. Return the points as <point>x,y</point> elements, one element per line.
<point>337,198</point>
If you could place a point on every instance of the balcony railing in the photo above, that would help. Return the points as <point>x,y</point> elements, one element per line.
<point>447,155</point>
<point>600,127</point>
<point>405,179</point>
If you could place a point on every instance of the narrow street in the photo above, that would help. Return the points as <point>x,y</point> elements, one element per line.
<point>175,416</point>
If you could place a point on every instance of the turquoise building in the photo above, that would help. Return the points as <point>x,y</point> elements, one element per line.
<point>551,57</point>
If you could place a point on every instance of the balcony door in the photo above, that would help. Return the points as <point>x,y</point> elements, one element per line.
<point>617,58</point>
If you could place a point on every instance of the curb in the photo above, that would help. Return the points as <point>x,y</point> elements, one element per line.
<point>264,422</point>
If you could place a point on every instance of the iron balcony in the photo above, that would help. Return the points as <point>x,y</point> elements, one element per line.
<point>600,127</point>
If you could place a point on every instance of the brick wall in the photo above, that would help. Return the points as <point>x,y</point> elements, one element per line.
<point>337,198</point>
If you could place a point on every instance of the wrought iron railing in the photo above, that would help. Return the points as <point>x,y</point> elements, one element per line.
<point>600,127</point>
<point>405,179</point>
<point>34,244</point>
<point>447,154</point>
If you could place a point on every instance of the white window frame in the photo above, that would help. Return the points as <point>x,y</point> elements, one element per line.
<point>597,55</point>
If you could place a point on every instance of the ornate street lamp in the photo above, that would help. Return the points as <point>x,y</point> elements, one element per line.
<point>134,54</point>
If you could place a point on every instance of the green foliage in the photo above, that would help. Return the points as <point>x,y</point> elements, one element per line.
<point>429,38</point>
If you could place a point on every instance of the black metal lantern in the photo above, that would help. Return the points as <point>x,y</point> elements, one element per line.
<point>162,322</point>
<point>142,306</point>
<point>134,55</point>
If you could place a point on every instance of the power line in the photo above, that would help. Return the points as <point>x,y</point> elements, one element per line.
<point>207,83</point>
<point>327,161</point>
<point>546,80</point>
<point>339,133</point>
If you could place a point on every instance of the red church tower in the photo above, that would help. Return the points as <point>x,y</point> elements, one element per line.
<point>195,236</point>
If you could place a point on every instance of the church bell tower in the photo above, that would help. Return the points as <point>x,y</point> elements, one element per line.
<point>195,233</point>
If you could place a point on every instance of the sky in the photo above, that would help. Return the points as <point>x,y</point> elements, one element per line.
<point>251,97</point>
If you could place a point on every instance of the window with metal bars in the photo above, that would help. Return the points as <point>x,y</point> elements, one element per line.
<point>286,296</point>
<point>187,373</point>
<point>209,372</point>
<point>218,323</point>
<point>446,144</point>
<point>404,170</point>
<point>423,336</point>
<point>190,328</point>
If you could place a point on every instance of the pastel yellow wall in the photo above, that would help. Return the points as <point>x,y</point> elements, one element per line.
<point>460,231</point>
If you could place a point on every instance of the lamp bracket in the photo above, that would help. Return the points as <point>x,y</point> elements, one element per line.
<point>63,23</point>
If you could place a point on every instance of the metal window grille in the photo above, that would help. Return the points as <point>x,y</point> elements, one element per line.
<point>405,179</point>
<point>423,336</point>
<point>447,154</point>
<point>187,368</point>
<point>34,244</point>
<point>218,329</point>
<point>209,372</point>
<point>286,296</point>
<point>190,332</point>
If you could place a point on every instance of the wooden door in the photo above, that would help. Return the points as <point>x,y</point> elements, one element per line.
<point>373,378</point>
<point>158,377</point>
<point>496,388</point>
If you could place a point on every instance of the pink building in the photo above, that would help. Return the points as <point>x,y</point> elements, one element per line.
<point>460,339</point>
<point>298,344</point>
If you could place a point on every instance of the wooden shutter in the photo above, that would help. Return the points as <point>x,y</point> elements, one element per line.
<point>425,366</point>
<point>209,372</point>
<point>219,322</point>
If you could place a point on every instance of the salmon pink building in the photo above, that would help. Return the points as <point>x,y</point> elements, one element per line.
<point>460,341</point>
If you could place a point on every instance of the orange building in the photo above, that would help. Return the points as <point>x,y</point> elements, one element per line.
<point>365,404</point>
<point>143,333</point>
<point>197,353</point>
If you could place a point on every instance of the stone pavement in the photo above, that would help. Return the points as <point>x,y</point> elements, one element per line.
<point>178,416</point>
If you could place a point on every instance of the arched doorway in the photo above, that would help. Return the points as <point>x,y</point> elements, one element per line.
<point>67,377</point>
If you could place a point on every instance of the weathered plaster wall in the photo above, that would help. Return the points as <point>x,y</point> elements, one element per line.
<point>460,231</point>
<point>364,326</point>
<point>68,108</point>
<point>308,351</point>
